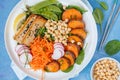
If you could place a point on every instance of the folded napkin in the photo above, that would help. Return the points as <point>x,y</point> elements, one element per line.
<point>20,74</point>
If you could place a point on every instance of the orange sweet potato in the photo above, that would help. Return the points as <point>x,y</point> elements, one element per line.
<point>53,66</point>
<point>76,39</point>
<point>64,63</point>
<point>71,14</point>
<point>73,48</point>
<point>80,32</point>
<point>70,55</point>
<point>76,24</point>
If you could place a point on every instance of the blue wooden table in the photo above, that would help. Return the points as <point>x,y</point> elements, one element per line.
<point>6,73</point>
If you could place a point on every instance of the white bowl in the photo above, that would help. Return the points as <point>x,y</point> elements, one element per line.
<point>91,72</point>
<point>91,40</point>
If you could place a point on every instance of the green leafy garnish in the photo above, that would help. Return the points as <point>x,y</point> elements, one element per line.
<point>59,5</point>
<point>69,69</point>
<point>80,57</point>
<point>82,10</point>
<point>98,16</point>
<point>51,38</point>
<point>103,5</point>
<point>41,31</point>
<point>112,47</point>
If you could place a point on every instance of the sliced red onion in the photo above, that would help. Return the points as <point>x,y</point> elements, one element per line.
<point>25,58</point>
<point>22,49</point>
<point>57,54</point>
<point>58,44</point>
<point>61,50</point>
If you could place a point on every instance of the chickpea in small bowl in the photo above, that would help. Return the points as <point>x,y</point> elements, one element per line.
<point>105,69</point>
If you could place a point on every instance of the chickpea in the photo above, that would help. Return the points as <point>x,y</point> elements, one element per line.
<point>106,70</point>
<point>79,43</point>
<point>59,30</point>
<point>62,31</point>
<point>56,40</point>
<point>55,27</point>
<point>63,28</point>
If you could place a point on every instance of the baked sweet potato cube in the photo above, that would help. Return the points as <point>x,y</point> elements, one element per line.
<point>76,39</point>
<point>70,55</point>
<point>71,14</point>
<point>80,32</point>
<point>73,48</point>
<point>76,24</point>
<point>53,66</point>
<point>64,63</point>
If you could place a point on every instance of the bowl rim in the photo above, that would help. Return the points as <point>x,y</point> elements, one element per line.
<point>91,71</point>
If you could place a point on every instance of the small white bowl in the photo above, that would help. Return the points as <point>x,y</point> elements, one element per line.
<point>91,72</point>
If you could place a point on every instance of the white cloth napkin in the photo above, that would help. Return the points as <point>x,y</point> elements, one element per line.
<point>20,74</point>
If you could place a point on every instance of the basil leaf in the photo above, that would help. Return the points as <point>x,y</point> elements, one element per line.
<point>69,69</point>
<point>80,57</point>
<point>112,47</point>
<point>98,16</point>
<point>104,5</point>
<point>52,38</point>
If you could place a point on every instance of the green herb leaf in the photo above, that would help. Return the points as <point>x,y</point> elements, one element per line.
<point>103,5</point>
<point>98,16</point>
<point>82,10</point>
<point>59,5</point>
<point>51,38</point>
<point>41,31</point>
<point>112,47</point>
<point>80,57</point>
<point>69,69</point>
